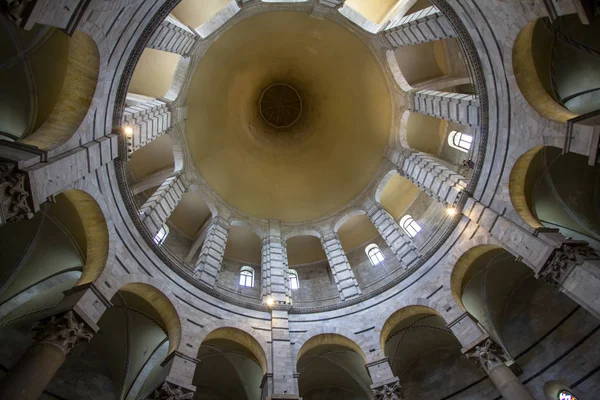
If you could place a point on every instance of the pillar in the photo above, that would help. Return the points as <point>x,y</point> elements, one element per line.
<point>282,383</point>
<point>455,107</point>
<point>340,267</point>
<point>54,338</point>
<point>396,239</point>
<point>423,26</point>
<point>145,119</point>
<point>158,208</point>
<point>174,37</point>
<point>212,252</point>
<point>275,282</point>
<point>385,385</point>
<point>432,176</point>
<point>490,358</point>
<point>332,3</point>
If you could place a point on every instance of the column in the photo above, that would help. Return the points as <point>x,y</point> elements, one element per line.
<point>340,267</point>
<point>282,384</point>
<point>176,378</point>
<point>275,283</point>
<point>396,239</point>
<point>570,265</point>
<point>423,26</point>
<point>433,177</point>
<point>455,107</point>
<point>211,256</point>
<point>174,37</point>
<point>385,385</point>
<point>144,120</point>
<point>54,338</point>
<point>158,208</point>
<point>489,356</point>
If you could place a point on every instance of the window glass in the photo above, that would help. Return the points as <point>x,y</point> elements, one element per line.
<point>294,281</point>
<point>460,141</point>
<point>247,276</point>
<point>161,235</point>
<point>374,253</point>
<point>410,226</point>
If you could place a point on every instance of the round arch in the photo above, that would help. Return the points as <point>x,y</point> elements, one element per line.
<point>330,338</point>
<point>346,217</point>
<point>398,316</point>
<point>240,334</point>
<point>75,96</point>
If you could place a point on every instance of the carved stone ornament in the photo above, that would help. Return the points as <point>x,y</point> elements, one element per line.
<point>13,195</point>
<point>393,392</point>
<point>169,391</point>
<point>487,355</point>
<point>63,330</point>
<point>18,10</point>
<point>563,261</point>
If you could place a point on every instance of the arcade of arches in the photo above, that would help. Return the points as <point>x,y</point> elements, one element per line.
<point>299,199</point>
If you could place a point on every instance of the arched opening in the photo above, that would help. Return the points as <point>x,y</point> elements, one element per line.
<point>332,366</point>
<point>523,314</point>
<point>410,226</point>
<point>64,245</point>
<point>561,191</point>
<point>247,276</point>
<point>232,365</point>
<point>48,81</point>
<point>244,249</point>
<point>426,356</point>
<point>154,73</point>
<point>195,14</point>
<point>308,259</point>
<point>556,66</point>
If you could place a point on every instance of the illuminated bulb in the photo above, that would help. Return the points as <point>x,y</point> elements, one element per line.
<point>451,211</point>
<point>270,301</point>
<point>128,130</point>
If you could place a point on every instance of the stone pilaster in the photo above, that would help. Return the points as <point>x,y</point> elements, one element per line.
<point>423,26</point>
<point>212,252</point>
<point>455,107</point>
<point>144,120</point>
<point>275,280</point>
<point>174,37</point>
<point>385,385</point>
<point>332,3</point>
<point>158,208</point>
<point>433,177</point>
<point>340,267</point>
<point>397,240</point>
<point>282,382</point>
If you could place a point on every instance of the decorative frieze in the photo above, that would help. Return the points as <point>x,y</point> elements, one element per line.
<point>388,392</point>
<point>168,391</point>
<point>14,197</point>
<point>64,331</point>
<point>487,355</point>
<point>563,261</point>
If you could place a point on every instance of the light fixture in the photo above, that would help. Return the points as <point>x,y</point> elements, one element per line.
<point>270,301</point>
<point>128,130</point>
<point>451,211</point>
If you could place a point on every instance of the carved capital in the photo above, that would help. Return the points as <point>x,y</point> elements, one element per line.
<point>19,10</point>
<point>64,331</point>
<point>487,355</point>
<point>14,197</point>
<point>169,391</point>
<point>388,392</point>
<point>563,261</point>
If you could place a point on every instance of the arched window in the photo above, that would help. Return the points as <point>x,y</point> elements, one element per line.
<point>247,276</point>
<point>161,235</point>
<point>294,281</point>
<point>375,255</point>
<point>460,141</point>
<point>410,226</point>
